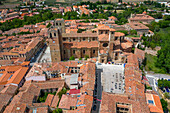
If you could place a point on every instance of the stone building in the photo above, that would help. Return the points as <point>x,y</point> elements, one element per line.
<point>144,18</point>
<point>103,42</point>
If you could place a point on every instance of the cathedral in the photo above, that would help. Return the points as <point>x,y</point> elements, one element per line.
<point>102,42</point>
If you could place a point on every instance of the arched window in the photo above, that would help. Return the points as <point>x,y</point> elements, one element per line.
<point>50,35</point>
<point>56,24</point>
<point>54,34</point>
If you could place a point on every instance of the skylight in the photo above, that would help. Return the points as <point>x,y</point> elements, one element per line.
<point>150,102</point>
<point>10,77</point>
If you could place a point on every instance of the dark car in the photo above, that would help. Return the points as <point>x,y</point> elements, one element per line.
<point>94,107</point>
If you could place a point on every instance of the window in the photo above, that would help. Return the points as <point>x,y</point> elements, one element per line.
<point>50,35</point>
<point>73,51</point>
<point>64,39</point>
<point>105,44</point>
<point>64,52</point>
<point>93,39</point>
<point>112,32</point>
<point>150,102</point>
<point>106,32</point>
<point>102,61</point>
<point>84,39</point>
<point>54,34</point>
<point>56,24</point>
<point>84,51</point>
<point>93,51</point>
<point>74,39</point>
<point>60,24</point>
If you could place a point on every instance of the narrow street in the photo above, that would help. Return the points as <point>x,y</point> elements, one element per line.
<point>37,56</point>
<point>97,92</point>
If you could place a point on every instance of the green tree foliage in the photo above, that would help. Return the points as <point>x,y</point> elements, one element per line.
<point>86,21</point>
<point>15,23</point>
<point>163,60</point>
<point>123,31</point>
<point>58,110</point>
<point>81,30</point>
<point>166,95</point>
<point>163,83</point>
<point>164,104</point>
<point>72,58</point>
<point>43,96</point>
<point>152,41</point>
<point>133,32</point>
<point>94,20</point>
<point>80,58</point>
<point>49,24</point>
<point>63,91</point>
<point>148,87</point>
<point>86,57</point>
<point>22,33</point>
<point>155,26</point>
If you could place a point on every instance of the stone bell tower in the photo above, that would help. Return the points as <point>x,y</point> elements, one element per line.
<point>55,40</point>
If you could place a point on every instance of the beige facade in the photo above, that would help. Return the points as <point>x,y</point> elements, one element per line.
<point>103,43</point>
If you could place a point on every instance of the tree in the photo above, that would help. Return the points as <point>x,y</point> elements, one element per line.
<point>133,32</point>
<point>63,91</point>
<point>164,104</point>
<point>166,95</point>
<point>152,45</point>
<point>80,58</point>
<point>58,110</point>
<point>49,24</point>
<point>72,58</point>
<point>86,57</point>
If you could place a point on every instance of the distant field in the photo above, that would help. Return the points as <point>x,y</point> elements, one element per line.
<point>10,3</point>
<point>63,3</point>
<point>119,11</point>
<point>104,5</point>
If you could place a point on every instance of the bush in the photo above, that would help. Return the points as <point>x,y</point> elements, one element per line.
<point>164,104</point>
<point>148,87</point>
<point>95,21</point>
<point>63,91</point>
<point>58,110</point>
<point>80,58</point>
<point>166,95</point>
<point>86,57</point>
<point>49,24</point>
<point>123,31</point>
<point>81,30</point>
<point>72,58</point>
<point>133,50</point>
<point>133,32</point>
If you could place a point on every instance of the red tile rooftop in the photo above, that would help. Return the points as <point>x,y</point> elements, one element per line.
<point>67,101</point>
<point>119,34</point>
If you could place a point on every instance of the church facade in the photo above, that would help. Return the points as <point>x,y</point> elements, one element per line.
<point>103,42</point>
